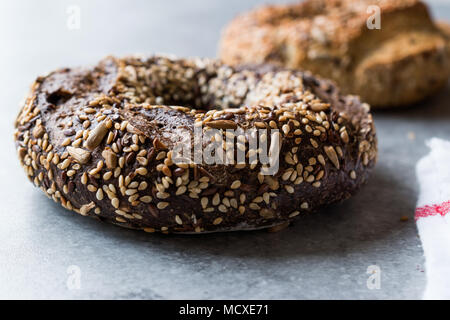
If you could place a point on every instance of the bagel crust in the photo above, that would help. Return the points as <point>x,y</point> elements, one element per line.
<point>100,141</point>
<point>404,61</point>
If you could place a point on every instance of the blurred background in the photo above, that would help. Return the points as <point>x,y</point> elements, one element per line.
<point>39,36</point>
<point>324,257</point>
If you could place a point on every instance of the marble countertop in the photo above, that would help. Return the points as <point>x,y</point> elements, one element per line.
<point>49,252</point>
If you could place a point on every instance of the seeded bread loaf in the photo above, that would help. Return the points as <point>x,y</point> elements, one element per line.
<point>100,141</point>
<point>403,62</point>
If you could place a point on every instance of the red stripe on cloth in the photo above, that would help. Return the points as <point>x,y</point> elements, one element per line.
<point>433,210</point>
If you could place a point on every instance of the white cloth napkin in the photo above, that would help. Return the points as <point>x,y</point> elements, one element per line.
<point>433,217</point>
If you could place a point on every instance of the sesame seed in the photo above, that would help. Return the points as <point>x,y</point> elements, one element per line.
<point>181,190</point>
<point>344,137</point>
<point>142,171</point>
<point>146,199</point>
<point>65,164</point>
<point>99,194</point>
<point>107,175</point>
<point>236,184</point>
<point>204,202</point>
<point>216,200</point>
<point>294,214</point>
<point>289,188</point>
<point>162,205</point>
<point>130,192</point>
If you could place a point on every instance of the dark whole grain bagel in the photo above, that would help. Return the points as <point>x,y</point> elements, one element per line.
<point>100,141</point>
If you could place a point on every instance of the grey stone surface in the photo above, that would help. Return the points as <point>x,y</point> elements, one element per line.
<point>323,256</point>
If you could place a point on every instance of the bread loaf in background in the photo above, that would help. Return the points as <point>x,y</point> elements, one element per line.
<point>403,62</point>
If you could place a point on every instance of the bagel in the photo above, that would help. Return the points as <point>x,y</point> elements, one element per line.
<point>100,140</point>
<point>403,62</point>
